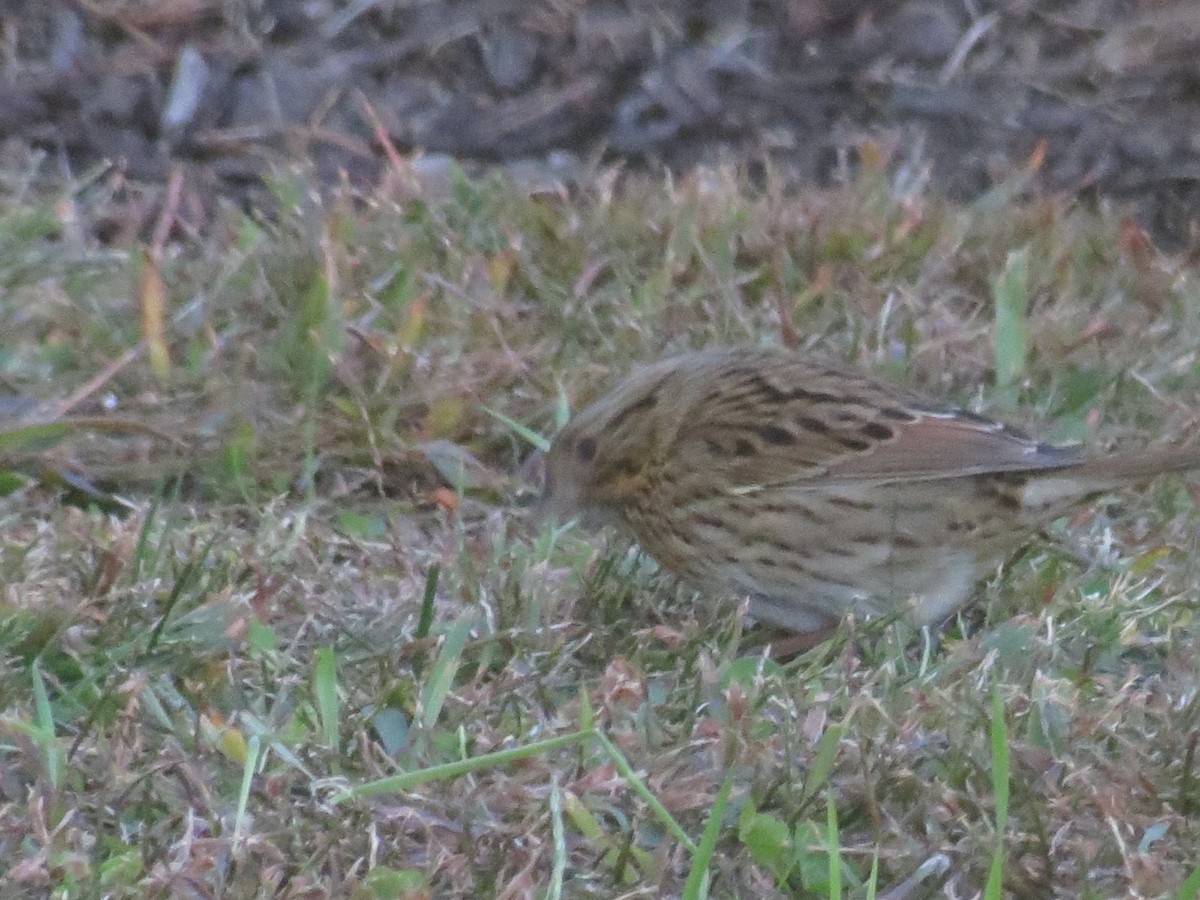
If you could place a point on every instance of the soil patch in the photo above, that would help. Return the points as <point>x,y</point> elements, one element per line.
<point>1104,95</point>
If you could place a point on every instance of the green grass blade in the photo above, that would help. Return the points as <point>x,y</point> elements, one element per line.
<point>1190,889</point>
<point>639,787</point>
<point>325,691</point>
<point>425,622</point>
<point>822,765</point>
<point>30,437</point>
<point>443,670</point>
<point>51,751</point>
<point>1000,787</point>
<point>873,878</point>
<point>522,431</point>
<point>1011,294</point>
<point>446,771</point>
<point>253,747</point>
<point>696,886</point>
<point>559,867</point>
<point>834,842</point>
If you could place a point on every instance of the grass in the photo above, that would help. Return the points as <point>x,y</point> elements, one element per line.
<point>287,630</point>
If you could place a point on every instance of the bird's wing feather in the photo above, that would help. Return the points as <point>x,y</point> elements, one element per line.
<point>809,422</point>
<point>955,446</point>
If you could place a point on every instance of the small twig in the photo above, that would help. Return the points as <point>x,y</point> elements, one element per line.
<point>965,45</point>
<point>168,213</point>
<point>385,140</point>
<point>101,378</point>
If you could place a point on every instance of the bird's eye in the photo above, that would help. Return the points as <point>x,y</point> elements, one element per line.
<point>586,449</point>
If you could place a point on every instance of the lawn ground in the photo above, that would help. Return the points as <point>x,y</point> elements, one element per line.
<point>274,620</point>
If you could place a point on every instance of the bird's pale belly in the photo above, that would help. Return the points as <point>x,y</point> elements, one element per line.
<point>808,557</point>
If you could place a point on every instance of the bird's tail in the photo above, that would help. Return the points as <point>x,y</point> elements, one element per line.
<point>1124,467</point>
<point>1095,476</point>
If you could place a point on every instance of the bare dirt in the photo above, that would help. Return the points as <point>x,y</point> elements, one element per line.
<point>1099,98</point>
